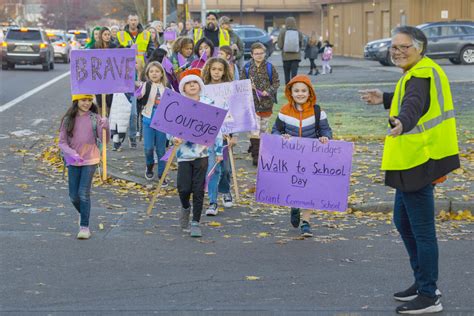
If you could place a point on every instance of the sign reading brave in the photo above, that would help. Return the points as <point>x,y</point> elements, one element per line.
<point>100,71</point>
<point>304,173</point>
<point>237,97</point>
<point>187,119</point>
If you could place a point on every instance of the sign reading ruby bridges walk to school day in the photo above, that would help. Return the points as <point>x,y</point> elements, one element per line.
<point>304,173</point>
<point>187,119</point>
<point>100,71</point>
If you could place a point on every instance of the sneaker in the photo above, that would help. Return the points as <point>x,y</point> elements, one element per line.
<point>410,294</point>
<point>212,210</point>
<point>195,230</point>
<point>421,305</point>
<point>306,230</point>
<point>84,233</point>
<point>149,172</point>
<point>165,183</point>
<point>116,146</point>
<point>295,217</point>
<point>227,200</point>
<point>133,143</point>
<point>184,218</point>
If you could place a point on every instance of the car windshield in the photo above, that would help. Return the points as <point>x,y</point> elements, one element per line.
<point>81,35</point>
<point>55,38</point>
<point>18,35</point>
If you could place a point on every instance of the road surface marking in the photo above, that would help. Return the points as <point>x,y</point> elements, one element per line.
<point>32,92</point>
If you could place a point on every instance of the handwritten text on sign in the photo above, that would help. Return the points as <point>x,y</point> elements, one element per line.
<point>304,173</point>
<point>97,71</point>
<point>237,97</point>
<point>188,119</point>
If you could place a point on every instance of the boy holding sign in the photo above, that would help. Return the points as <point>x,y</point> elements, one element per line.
<point>193,158</point>
<point>302,117</point>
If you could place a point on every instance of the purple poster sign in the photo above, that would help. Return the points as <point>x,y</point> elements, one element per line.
<point>169,35</point>
<point>304,173</point>
<point>187,119</point>
<point>237,97</point>
<point>97,71</point>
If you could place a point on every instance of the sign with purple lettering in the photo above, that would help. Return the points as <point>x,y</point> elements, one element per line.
<point>97,71</point>
<point>169,35</point>
<point>237,97</point>
<point>187,119</point>
<point>304,173</point>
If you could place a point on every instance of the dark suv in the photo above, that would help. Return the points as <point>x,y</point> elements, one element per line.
<point>27,46</point>
<point>453,40</point>
<point>250,34</point>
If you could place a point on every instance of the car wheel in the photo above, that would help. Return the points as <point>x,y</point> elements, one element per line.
<point>467,55</point>
<point>383,62</point>
<point>66,59</point>
<point>46,67</point>
<point>4,67</point>
<point>455,61</point>
<point>11,65</point>
<point>51,65</point>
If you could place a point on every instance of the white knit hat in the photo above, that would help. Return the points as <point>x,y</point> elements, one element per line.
<point>190,78</point>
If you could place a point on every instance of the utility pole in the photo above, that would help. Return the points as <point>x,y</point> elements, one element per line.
<point>148,9</point>
<point>203,12</point>
<point>165,5</point>
<point>241,11</point>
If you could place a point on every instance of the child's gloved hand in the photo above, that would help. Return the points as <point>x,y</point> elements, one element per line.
<point>286,136</point>
<point>219,158</point>
<point>177,141</point>
<point>324,139</point>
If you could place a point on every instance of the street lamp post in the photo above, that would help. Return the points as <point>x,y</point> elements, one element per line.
<point>203,12</point>
<point>241,11</point>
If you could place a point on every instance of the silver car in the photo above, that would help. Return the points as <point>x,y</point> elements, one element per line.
<point>61,45</point>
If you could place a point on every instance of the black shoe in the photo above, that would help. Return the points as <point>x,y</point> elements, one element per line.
<point>316,73</point>
<point>407,295</point>
<point>295,217</point>
<point>421,305</point>
<point>310,72</point>
<point>133,143</point>
<point>330,70</point>
<point>165,183</point>
<point>149,172</point>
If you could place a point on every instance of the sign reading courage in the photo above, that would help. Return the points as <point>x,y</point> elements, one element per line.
<point>97,71</point>
<point>304,173</point>
<point>187,119</point>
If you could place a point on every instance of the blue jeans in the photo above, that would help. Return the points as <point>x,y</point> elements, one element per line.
<point>80,182</point>
<point>413,216</point>
<point>226,173</point>
<point>154,140</point>
<point>132,131</point>
<point>214,180</point>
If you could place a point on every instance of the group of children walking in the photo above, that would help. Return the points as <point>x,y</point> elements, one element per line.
<point>300,117</point>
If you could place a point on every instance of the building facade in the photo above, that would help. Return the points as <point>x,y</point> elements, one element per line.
<point>348,24</point>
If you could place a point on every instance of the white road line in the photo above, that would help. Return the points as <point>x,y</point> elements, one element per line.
<point>30,93</point>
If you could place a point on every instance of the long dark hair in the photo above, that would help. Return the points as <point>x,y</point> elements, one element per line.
<point>208,42</point>
<point>100,43</point>
<point>69,119</point>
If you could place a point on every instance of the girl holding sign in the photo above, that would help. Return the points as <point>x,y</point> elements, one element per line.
<point>193,158</point>
<point>203,50</point>
<point>217,71</point>
<point>302,117</point>
<point>79,142</point>
<point>182,54</point>
<point>150,96</point>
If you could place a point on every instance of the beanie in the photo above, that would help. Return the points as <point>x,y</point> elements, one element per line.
<point>76,97</point>
<point>188,76</point>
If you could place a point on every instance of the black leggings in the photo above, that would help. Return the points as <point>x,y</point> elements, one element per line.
<point>191,179</point>
<point>312,65</point>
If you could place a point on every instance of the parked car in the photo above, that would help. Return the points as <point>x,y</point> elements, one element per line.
<point>73,42</point>
<point>453,40</point>
<point>27,46</point>
<point>81,36</point>
<point>61,45</point>
<point>251,34</point>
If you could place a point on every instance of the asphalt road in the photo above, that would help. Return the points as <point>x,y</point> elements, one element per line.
<point>137,265</point>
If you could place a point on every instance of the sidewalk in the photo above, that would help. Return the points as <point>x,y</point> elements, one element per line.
<point>367,190</point>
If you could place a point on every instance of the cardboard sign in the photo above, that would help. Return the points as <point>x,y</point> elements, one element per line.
<point>187,119</point>
<point>101,71</point>
<point>237,97</point>
<point>304,173</point>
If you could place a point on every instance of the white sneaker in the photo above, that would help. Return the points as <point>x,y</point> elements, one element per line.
<point>212,210</point>
<point>227,200</point>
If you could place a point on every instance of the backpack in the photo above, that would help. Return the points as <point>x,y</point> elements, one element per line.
<point>269,72</point>
<point>292,42</point>
<point>327,54</point>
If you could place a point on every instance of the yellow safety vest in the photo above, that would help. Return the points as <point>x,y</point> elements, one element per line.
<point>434,136</point>
<point>141,40</point>
<point>224,37</point>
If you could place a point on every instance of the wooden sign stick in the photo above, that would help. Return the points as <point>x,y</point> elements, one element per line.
<point>163,177</point>
<point>104,141</point>
<point>232,166</point>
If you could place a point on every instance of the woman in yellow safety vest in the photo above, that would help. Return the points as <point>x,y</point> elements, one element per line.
<point>420,149</point>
